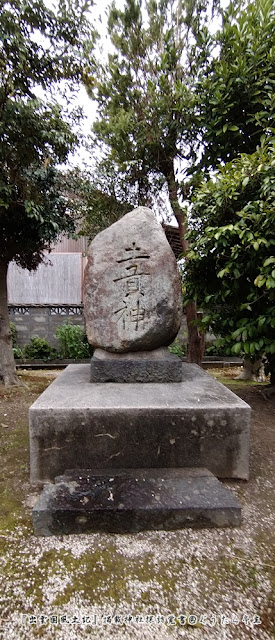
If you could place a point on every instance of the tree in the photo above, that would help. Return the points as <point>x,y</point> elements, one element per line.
<point>98,198</point>
<point>231,261</point>
<point>173,95</point>
<point>38,48</point>
<point>145,102</point>
<point>235,102</point>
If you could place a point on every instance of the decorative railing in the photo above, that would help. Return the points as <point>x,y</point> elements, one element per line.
<point>51,309</point>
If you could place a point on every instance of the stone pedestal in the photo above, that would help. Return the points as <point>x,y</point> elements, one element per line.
<point>132,500</point>
<point>158,365</point>
<point>76,424</point>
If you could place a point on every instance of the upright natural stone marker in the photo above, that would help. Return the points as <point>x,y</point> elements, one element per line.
<point>133,297</point>
<point>124,450</point>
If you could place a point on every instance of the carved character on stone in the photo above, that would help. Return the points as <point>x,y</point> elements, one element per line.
<point>133,283</point>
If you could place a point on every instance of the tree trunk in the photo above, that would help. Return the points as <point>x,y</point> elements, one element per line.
<point>7,364</point>
<point>270,391</point>
<point>196,340</point>
<point>250,370</point>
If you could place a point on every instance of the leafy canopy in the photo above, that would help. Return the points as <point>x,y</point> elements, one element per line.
<point>172,90</point>
<point>39,47</point>
<point>98,198</point>
<point>235,101</point>
<point>231,262</point>
<point>144,96</point>
<point>175,100</point>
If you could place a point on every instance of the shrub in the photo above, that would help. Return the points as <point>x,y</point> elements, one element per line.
<point>73,341</point>
<point>39,348</point>
<point>177,349</point>
<point>14,334</point>
<point>17,352</point>
<point>215,350</point>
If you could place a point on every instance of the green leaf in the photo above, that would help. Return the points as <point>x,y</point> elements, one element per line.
<point>261,321</point>
<point>268,261</point>
<point>237,348</point>
<point>221,273</point>
<point>236,333</point>
<point>260,280</point>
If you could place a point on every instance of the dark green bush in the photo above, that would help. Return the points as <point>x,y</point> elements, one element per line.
<point>40,349</point>
<point>215,350</point>
<point>73,341</point>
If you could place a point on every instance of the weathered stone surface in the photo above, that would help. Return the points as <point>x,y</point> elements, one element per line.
<point>76,424</point>
<point>132,286</point>
<point>140,366</point>
<point>132,500</point>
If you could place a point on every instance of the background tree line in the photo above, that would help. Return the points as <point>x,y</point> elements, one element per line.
<point>177,100</point>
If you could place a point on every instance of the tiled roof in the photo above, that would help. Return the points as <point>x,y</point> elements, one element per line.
<point>173,237</point>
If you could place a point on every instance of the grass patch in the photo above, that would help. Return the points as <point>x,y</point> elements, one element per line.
<point>14,443</point>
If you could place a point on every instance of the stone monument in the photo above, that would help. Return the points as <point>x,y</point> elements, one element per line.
<point>133,302</point>
<point>132,286</point>
<point>137,439</point>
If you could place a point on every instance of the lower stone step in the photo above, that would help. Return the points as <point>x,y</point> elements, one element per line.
<point>132,500</point>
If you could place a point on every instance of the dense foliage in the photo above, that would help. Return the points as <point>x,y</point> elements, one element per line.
<point>39,48</point>
<point>38,348</point>
<point>73,341</point>
<point>231,261</point>
<point>176,99</point>
<point>97,198</point>
<point>234,100</point>
<point>144,92</point>
<point>145,104</point>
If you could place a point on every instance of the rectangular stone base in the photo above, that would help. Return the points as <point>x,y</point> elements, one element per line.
<point>76,424</point>
<point>143,366</point>
<point>132,500</point>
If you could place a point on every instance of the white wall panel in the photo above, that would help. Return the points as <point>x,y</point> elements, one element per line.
<point>59,281</point>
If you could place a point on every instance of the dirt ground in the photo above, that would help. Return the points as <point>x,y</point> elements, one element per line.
<point>137,586</point>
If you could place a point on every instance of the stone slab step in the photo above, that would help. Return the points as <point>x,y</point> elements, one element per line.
<point>132,500</point>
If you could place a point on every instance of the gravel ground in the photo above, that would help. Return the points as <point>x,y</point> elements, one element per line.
<point>216,584</point>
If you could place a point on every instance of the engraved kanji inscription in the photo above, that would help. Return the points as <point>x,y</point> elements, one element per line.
<point>134,253</point>
<point>133,280</point>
